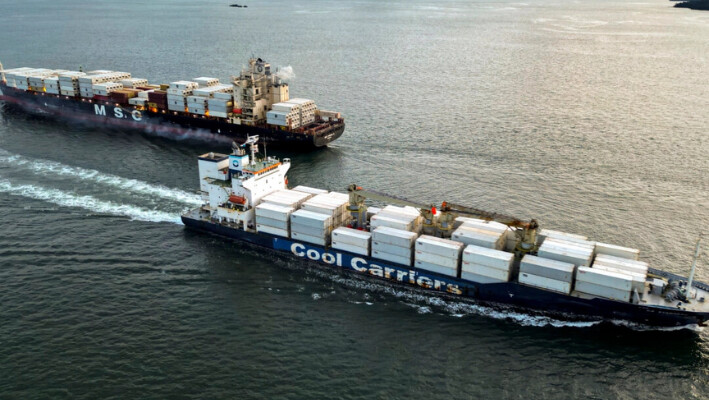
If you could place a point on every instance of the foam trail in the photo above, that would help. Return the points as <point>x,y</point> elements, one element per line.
<point>132,185</point>
<point>67,199</point>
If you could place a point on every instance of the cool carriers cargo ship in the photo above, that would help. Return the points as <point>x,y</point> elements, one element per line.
<point>456,250</point>
<point>255,103</point>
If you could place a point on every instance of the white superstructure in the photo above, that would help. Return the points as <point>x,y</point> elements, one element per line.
<point>233,185</point>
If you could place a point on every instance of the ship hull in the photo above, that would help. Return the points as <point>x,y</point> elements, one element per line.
<point>508,294</point>
<point>168,124</point>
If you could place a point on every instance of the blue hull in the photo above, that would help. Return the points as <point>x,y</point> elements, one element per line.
<point>509,294</point>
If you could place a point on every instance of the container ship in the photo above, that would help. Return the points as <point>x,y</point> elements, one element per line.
<point>451,250</point>
<point>257,102</point>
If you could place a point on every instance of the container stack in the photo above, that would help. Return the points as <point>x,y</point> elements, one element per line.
<point>441,256</point>
<point>287,198</point>
<point>105,89</point>
<point>157,100</point>
<point>69,83</point>
<point>394,245</point>
<point>220,107</point>
<point>197,105</point>
<point>485,265</point>
<point>123,96</point>
<point>11,75</point>
<point>133,83</point>
<point>36,80</point>
<point>311,227</point>
<point>617,251</point>
<point>177,95</point>
<point>546,274</point>
<point>329,204</point>
<point>273,219</point>
<point>489,237</point>
<point>306,110</point>
<point>51,85</point>
<point>87,82</point>
<point>284,114</point>
<point>408,214</point>
<point>352,240</point>
<point>206,82</point>
<point>606,284</point>
<point>637,270</point>
<point>578,252</point>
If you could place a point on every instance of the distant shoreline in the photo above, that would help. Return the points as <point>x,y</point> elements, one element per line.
<point>694,4</point>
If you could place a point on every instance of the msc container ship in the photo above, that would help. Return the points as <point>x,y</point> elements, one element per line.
<point>452,250</point>
<point>257,102</point>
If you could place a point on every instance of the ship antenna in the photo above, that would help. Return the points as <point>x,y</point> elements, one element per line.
<point>688,295</point>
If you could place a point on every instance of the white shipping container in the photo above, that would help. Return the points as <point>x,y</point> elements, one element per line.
<point>184,85</point>
<point>363,251</point>
<point>640,271</point>
<point>218,114</point>
<point>439,269</point>
<point>391,257</point>
<point>617,251</point>
<point>309,218</point>
<point>273,211</point>
<point>393,236</point>
<point>442,247</point>
<point>310,190</point>
<point>273,222</point>
<point>352,236</point>
<point>197,100</point>
<point>322,241</point>
<point>604,278</point>
<point>273,231</point>
<point>223,96</point>
<point>472,277</point>
<point>372,211</point>
<point>311,230</point>
<point>328,209</point>
<point>603,291</point>
<point>638,279</point>
<point>546,268</point>
<point>569,256</point>
<point>631,265</point>
<point>481,224</point>
<point>134,82</point>
<point>589,247</point>
<point>481,270</point>
<point>380,221</point>
<point>488,257</point>
<point>448,262</point>
<point>206,82</point>
<point>544,233</point>
<point>391,249</point>
<point>138,101</point>
<point>542,282</point>
<point>478,237</point>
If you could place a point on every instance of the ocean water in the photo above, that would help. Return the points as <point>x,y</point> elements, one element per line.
<point>589,116</point>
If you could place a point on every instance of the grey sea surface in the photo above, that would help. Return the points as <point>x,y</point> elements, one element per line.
<point>589,116</point>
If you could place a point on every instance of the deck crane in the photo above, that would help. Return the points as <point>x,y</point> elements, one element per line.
<point>441,222</point>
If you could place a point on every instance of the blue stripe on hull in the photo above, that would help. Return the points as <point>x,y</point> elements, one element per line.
<point>509,293</point>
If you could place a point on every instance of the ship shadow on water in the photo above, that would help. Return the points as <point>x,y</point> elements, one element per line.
<point>683,346</point>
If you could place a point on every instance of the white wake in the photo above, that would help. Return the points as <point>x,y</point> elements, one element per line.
<point>43,167</point>
<point>67,199</point>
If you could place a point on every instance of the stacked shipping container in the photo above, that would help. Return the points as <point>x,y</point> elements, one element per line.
<point>438,255</point>
<point>393,245</point>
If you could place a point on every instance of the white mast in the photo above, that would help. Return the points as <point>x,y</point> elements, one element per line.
<point>694,267</point>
